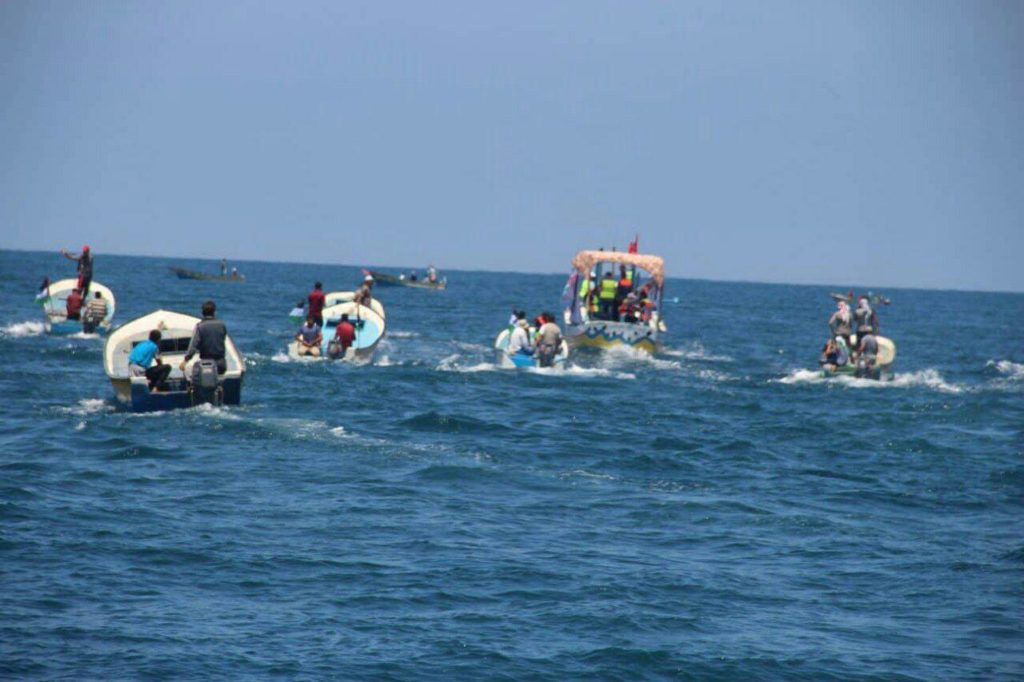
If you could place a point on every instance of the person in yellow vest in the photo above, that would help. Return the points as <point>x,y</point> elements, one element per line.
<point>606,296</point>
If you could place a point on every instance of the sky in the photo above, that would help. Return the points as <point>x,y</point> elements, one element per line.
<point>857,143</point>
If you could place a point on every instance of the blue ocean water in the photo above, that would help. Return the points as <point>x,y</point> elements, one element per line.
<point>715,512</point>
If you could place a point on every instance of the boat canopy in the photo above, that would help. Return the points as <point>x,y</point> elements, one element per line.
<point>584,262</point>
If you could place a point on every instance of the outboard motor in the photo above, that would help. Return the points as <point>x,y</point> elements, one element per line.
<point>205,386</point>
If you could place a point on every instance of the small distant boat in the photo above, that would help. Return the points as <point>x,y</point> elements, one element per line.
<point>54,299</point>
<point>384,279</point>
<point>520,360</point>
<point>369,321</point>
<point>181,389</point>
<point>586,327</point>
<point>881,369</point>
<point>183,273</point>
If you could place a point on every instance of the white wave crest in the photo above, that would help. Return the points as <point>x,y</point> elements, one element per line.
<point>1011,370</point>
<point>403,335</point>
<point>83,335</point>
<point>452,363</point>
<point>696,351</point>
<point>87,406</point>
<point>925,378</point>
<point>21,329</point>
<point>577,371</point>
<point>616,357</point>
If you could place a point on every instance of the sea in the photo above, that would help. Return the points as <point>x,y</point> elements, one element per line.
<point>717,511</point>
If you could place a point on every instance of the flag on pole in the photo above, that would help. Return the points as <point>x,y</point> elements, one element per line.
<point>635,244</point>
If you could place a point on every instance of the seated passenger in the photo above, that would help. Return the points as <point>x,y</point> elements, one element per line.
<point>867,353</point>
<point>344,337</point>
<point>629,311</point>
<point>95,312</point>
<point>143,355</point>
<point>74,305</point>
<point>519,339</point>
<point>309,338</point>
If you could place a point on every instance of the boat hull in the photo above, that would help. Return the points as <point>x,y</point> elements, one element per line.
<point>882,369</point>
<point>522,360</point>
<point>135,396</point>
<point>182,273</point>
<point>66,327</point>
<point>605,334</point>
<point>384,279</point>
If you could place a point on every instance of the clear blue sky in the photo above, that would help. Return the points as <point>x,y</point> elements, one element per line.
<point>869,143</point>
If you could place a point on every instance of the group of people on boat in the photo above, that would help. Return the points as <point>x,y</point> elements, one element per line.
<point>79,306</point>
<point>545,342</point>
<point>413,277</point>
<point>852,336</point>
<point>209,342</point>
<point>224,269</point>
<point>90,313</point>
<point>617,299</point>
<point>309,338</point>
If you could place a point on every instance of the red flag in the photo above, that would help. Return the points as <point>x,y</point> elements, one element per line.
<point>635,244</point>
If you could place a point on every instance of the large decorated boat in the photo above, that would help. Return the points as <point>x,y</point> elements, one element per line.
<point>615,299</point>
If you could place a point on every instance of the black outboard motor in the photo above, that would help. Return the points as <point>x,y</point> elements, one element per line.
<point>205,386</point>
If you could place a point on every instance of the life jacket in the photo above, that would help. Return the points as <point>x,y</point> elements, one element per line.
<point>608,288</point>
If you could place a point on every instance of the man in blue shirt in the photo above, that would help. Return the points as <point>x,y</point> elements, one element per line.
<point>143,355</point>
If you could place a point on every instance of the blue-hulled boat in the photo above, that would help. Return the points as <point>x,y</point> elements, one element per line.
<point>179,390</point>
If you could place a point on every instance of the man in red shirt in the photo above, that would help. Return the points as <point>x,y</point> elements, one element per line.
<point>74,303</point>
<point>344,336</point>
<point>316,304</point>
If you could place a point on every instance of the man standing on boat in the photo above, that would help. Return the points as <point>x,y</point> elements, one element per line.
<point>317,299</point>
<point>208,340</point>
<point>365,293</point>
<point>84,261</point>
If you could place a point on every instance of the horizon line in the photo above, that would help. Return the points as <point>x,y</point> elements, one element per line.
<point>533,272</point>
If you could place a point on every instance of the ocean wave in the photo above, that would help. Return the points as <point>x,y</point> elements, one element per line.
<point>1009,369</point>
<point>21,329</point>
<point>925,378</point>
<point>83,335</point>
<point>403,335</point>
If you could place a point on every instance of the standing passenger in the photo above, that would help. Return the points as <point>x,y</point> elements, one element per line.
<point>316,304</point>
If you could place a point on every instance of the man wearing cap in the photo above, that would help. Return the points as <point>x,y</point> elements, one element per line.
<point>84,261</point>
<point>364,295</point>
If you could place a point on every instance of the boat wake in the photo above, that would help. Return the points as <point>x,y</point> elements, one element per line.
<point>456,363</point>
<point>22,329</point>
<point>696,351</point>
<point>619,357</point>
<point>925,378</point>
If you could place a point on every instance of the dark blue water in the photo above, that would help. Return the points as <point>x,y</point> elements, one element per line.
<point>716,512</point>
